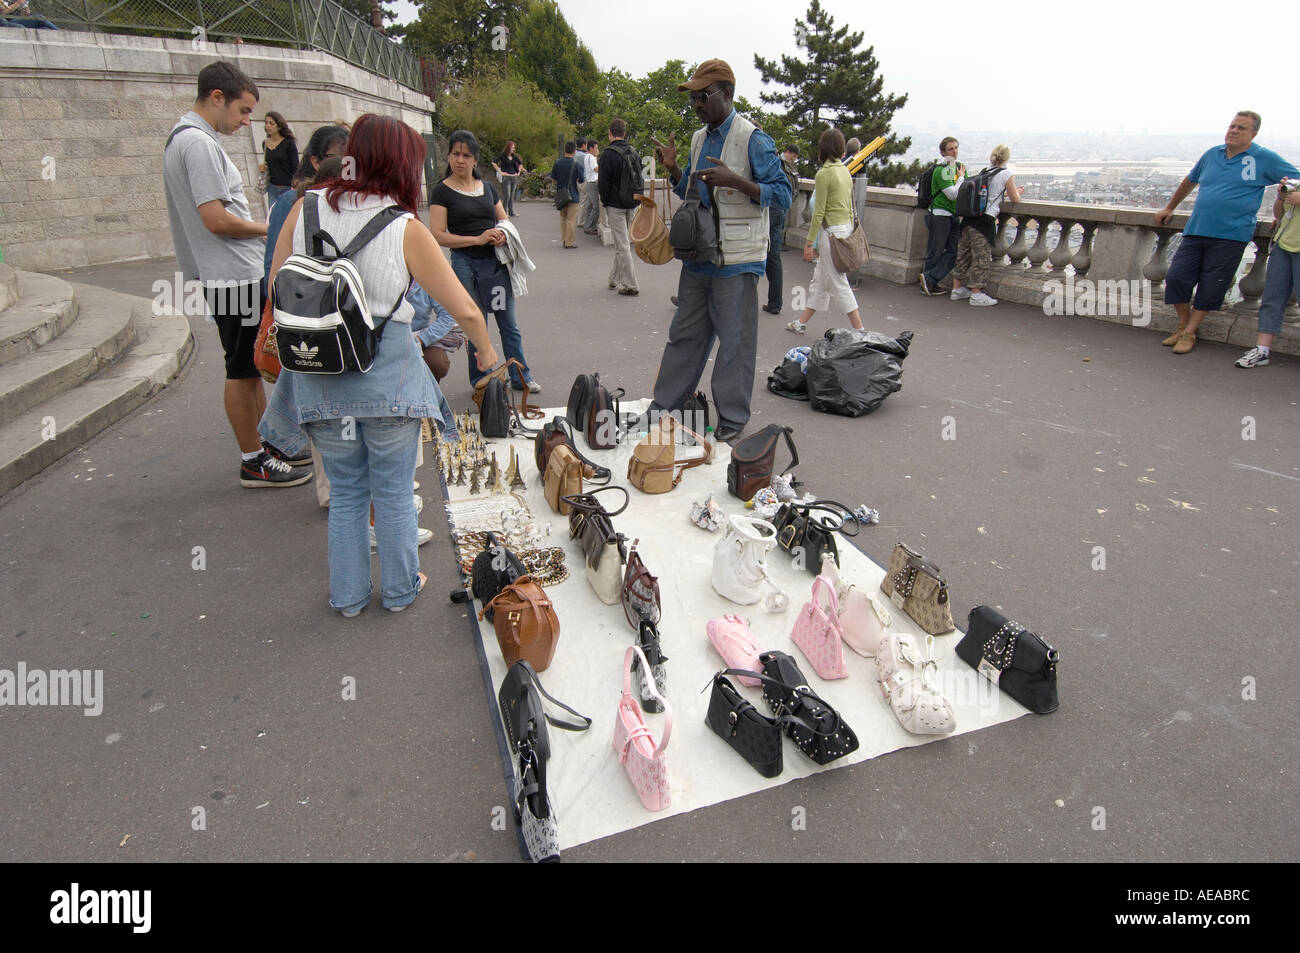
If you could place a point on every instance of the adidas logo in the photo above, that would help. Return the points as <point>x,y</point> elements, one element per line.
<point>303,351</point>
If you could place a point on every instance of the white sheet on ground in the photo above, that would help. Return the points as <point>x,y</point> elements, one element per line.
<point>590,790</point>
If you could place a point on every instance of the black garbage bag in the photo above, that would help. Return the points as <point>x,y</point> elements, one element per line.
<point>851,372</point>
<point>788,380</point>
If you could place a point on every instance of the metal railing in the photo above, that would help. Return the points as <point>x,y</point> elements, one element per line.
<point>302,24</point>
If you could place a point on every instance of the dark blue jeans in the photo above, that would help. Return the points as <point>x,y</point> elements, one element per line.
<point>941,246</point>
<point>776,241</point>
<point>488,283</point>
<point>1209,265</point>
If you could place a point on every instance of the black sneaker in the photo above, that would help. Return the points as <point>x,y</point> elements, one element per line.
<point>299,461</point>
<point>267,470</point>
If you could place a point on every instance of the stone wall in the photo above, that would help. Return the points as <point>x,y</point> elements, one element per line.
<point>84,117</point>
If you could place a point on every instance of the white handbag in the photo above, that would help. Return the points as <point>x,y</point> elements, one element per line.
<point>607,581</point>
<point>740,564</point>
<point>863,620</point>
<point>907,680</point>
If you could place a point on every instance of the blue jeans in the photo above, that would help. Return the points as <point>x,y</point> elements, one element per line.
<point>1281,280</point>
<point>940,246</point>
<point>486,280</point>
<point>775,242</point>
<point>509,188</point>
<point>369,458</point>
<point>273,193</point>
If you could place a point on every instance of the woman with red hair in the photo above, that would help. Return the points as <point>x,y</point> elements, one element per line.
<point>367,426</point>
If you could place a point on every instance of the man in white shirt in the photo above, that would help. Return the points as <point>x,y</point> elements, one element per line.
<point>590,216</point>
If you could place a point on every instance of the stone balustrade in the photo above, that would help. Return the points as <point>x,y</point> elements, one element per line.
<point>1090,260</point>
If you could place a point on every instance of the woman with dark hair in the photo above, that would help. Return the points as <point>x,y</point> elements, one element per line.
<point>509,167</point>
<point>832,215</point>
<point>367,426</point>
<point>279,156</point>
<point>463,215</point>
<point>325,142</point>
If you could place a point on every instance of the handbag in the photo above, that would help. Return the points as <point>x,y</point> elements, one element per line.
<point>814,725</point>
<point>635,747</point>
<point>753,461</point>
<point>266,356</point>
<point>850,254</point>
<point>918,588</point>
<point>603,431</point>
<point>526,625</point>
<point>653,467</point>
<point>640,591</point>
<point>524,716</point>
<point>729,636</point>
<point>1011,657</point>
<point>494,408</point>
<point>592,526</point>
<point>501,372</point>
<point>863,620</point>
<point>581,394</point>
<point>817,632</point>
<point>563,478</point>
<point>558,433</point>
<point>740,564</point>
<point>907,680</point>
<point>694,234</point>
<point>695,415</point>
<point>808,537</point>
<point>751,734</point>
<point>648,233</point>
<point>494,569</point>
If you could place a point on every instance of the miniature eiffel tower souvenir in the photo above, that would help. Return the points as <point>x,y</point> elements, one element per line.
<point>474,487</point>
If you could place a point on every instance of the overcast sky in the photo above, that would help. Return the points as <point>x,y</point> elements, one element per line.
<point>1131,66</point>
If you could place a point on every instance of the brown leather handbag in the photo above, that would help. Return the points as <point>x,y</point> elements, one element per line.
<point>502,373</point>
<point>526,624</point>
<point>753,461</point>
<point>653,467</point>
<point>564,473</point>
<point>918,588</point>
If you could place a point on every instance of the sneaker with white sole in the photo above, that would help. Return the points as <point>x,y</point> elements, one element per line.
<point>980,300</point>
<point>796,327</point>
<point>422,537</point>
<point>301,460</point>
<point>1255,357</point>
<point>270,471</point>
<point>925,286</point>
<point>959,294</point>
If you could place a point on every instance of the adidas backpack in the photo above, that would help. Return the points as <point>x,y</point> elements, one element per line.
<point>323,322</point>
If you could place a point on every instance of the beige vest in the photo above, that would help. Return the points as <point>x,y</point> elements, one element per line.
<point>743,224</point>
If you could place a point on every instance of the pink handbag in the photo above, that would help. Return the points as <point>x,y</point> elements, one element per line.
<point>636,749</point>
<point>817,632</point>
<point>863,620</point>
<point>729,636</point>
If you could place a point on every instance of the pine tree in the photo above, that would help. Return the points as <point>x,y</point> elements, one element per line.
<point>834,81</point>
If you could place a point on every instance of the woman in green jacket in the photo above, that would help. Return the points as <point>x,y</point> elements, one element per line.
<point>832,215</point>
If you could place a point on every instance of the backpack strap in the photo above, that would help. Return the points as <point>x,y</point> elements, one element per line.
<point>179,129</point>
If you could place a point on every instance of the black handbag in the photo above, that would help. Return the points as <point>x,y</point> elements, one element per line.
<point>494,569</point>
<point>1011,657</point>
<point>753,461</point>
<point>581,394</point>
<point>494,412</point>
<point>812,723</point>
<point>604,428</point>
<point>694,232</point>
<point>807,537</point>
<point>751,734</point>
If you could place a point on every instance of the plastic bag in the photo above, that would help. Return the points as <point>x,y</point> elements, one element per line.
<point>851,372</point>
<point>788,380</point>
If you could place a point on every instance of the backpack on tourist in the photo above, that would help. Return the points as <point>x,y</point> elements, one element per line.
<point>323,321</point>
<point>925,187</point>
<point>630,181</point>
<point>973,194</point>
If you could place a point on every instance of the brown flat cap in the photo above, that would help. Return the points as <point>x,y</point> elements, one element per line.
<point>708,73</point>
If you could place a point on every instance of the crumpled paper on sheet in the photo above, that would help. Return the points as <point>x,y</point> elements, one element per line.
<point>706,514</point>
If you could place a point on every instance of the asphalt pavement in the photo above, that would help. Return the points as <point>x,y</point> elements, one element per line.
<point>224,685</point>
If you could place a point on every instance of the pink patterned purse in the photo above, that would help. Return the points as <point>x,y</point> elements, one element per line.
<point>635,747</point>
<point>817,632</point>
<point>729,636</point>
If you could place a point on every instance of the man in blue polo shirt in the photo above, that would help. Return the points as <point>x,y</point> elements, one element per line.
<point>737,162</point>
<point>1232,178</point>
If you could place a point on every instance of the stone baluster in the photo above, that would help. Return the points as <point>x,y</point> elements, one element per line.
<point>1038,254</point>
<point>1155,270</point>
<point>1252,286</point>
<point>1001,243</point>
<point>1061,254</point>
<point>1020,247</point>
<point>1082,259</point>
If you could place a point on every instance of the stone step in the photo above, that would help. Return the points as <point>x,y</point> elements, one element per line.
<point>107,324</point>
<point>41,436</point>
<point>8,286</point>
<point>44,309</point>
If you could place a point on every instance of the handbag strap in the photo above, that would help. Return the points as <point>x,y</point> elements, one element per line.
<point>632,652</point>
<point>835,509</point>
<point>557,722</point>
<point>588,504</point>
<point>822,584</point>
<point>786,716</point>
<point>603,474</point>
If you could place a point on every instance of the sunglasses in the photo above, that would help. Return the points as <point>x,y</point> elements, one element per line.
<point>700,98</point>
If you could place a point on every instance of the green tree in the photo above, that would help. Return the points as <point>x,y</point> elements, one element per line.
<point>465,36</point>
<point>835,81</point>
<point>497,109</point>
<point>546,50</point>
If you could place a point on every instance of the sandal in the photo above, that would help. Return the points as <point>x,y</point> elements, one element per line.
<point>418,589</point>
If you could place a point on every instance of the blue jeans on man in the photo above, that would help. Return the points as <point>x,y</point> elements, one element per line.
<point>488,283</point>
<point>776,241</point>
<point>1280,282</point>
<point>940,246</point>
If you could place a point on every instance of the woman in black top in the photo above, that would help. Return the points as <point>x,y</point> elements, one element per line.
<point>280,155</point>
<point>463,215</point>
<point>509,167</point>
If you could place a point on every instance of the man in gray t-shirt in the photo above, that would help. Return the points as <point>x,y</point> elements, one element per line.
<point>219,245</point>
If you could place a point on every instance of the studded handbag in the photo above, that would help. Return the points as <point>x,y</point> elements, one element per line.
<point>808,535</point>
<point>1010,656</point>
<point>635,747</point>
<point>817,632</point>
<point>908,680</point>
<point>640,591</point>
<point>863,618</point>
<point>814,725</point>
<point>916,586</point>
